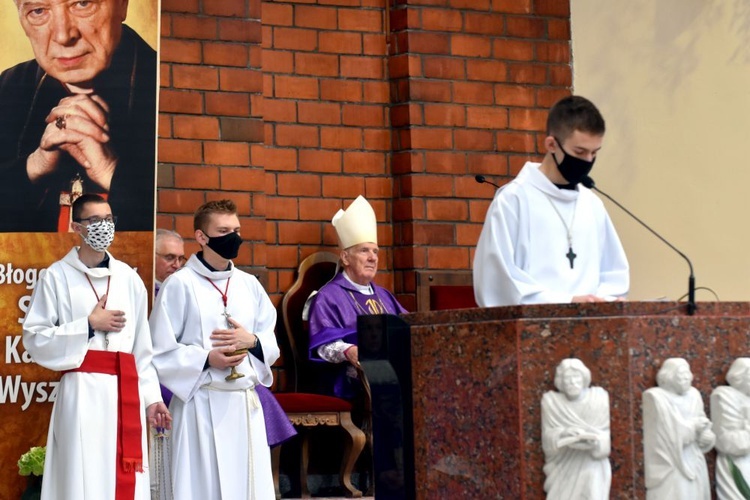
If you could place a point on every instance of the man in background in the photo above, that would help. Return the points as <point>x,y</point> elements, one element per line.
<point>169,250</point>
<point>169,256</point>
<point>78,118</point>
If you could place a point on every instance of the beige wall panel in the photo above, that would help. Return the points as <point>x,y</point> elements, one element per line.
<point>672,78</point>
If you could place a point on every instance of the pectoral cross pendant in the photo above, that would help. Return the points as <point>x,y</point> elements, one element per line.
<point>227,316</point>
<point>571,256</point>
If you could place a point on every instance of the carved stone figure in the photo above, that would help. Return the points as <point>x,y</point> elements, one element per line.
<point>676,434</point>
<point>730,412</point>
<point>575,435</point>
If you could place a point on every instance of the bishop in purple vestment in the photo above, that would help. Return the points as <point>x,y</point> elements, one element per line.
<point>334,310</point>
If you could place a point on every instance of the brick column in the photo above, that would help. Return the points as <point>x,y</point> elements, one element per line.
<point>327,136</point>
<point>209,123</point>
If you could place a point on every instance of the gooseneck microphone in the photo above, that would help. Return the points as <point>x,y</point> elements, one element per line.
<point>482,180</point>
<point>691,306</point>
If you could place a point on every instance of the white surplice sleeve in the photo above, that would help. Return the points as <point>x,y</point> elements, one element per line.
<point>615,272</point>
<point>51,341</point>
<point>264,325</point>
<point>142,346</point>
<point>180,366</point>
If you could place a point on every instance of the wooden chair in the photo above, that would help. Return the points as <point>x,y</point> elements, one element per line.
<point>306,410</point>
<point>438,290</point>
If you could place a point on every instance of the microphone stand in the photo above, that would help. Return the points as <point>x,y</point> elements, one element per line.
<point>691,306</point>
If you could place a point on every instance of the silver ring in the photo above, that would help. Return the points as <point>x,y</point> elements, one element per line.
<point>61,122</point>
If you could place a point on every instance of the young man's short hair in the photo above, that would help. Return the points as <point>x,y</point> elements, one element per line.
<point>200,220</point>
<point>81,201</point>
<point>574,113</point>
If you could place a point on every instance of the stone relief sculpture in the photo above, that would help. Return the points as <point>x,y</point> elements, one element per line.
<point>676,434</point>
<point>730,412</point>
<point>575,435</point>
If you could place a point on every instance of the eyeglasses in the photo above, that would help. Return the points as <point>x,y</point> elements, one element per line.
<point>170,258</point>
<point>95,219</point>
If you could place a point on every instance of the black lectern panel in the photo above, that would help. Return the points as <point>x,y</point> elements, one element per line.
<point>385,356</point>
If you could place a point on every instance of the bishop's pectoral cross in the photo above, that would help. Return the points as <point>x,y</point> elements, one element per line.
<point>571,256</point>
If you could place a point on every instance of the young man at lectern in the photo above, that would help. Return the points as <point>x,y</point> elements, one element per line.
<point>547,238</point>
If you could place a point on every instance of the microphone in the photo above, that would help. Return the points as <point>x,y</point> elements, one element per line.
<point>482,180</point>
<point>691,307</point>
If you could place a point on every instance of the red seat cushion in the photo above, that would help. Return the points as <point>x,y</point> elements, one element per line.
<point>300,402</point>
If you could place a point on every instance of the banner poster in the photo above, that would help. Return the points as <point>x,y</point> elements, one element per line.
<point>78,110</point>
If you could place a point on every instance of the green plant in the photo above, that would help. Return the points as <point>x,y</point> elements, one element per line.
<point>32,462</point>
<point>739,480</point>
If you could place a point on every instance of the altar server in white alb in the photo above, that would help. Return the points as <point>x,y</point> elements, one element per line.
<point>204,314</point>
<point>88,319</point>
<point>547,238</point>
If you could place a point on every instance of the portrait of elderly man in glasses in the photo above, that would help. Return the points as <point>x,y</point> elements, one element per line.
<point>78,118</point>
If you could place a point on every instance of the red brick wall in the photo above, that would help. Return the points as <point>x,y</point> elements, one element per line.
<point>293,108</point>
<point>210,121</point>
<point>327,133</point>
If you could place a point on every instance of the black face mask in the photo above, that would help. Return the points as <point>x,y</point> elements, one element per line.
<point>573,169</point>
<point>227,246</point>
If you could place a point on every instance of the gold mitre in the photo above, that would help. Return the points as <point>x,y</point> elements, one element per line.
<point>356,224</point>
